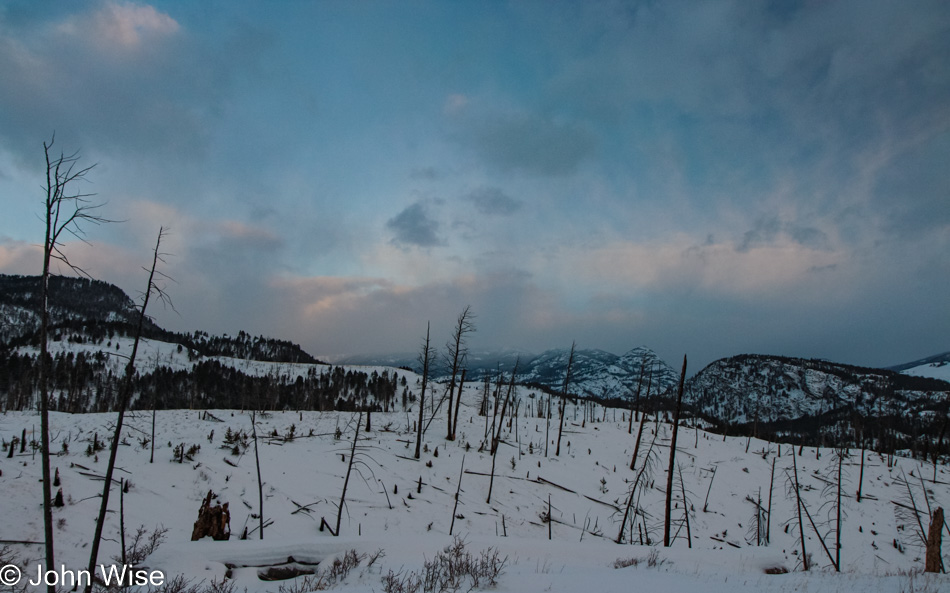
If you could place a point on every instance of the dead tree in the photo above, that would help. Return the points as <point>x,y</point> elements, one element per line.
<point>798,507</point>
<point>567,383</point>
<point>547,426</point>
<point>458,490</point>
<point>934,562</point>
<point>504,408</point>
<point>636,400</point>
<point>643,476</point>
<point>456,353</point>
<point>151,458</point>
<point>65,211</point>
<point>689,535</point>
<point>260,483</point>
<point>214,521</point>
<point>669,477</point>
<point>425,358</point>
<point>458,401</point>
<point>768,516</point>
<point>346,480</point>
<point>643,418</point>
<point>152,288</point>
<point>496,437</point>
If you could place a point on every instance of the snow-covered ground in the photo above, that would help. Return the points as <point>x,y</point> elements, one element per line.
<point>937,370</point>
<point>587,486</point>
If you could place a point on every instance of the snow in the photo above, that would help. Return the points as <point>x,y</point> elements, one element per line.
<point>936,370</point>
<point>587,485</point>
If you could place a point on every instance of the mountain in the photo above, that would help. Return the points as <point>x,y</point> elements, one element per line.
<point>478,362</point>
<point>92,321</point>
<point>796,396</point>
<point>77,304</point>
<point>91,310</point>
<point>935,367</point>
<point>91,338</point>
<point>595,373</point>
<point>601,374</point>
<point>937,360</point>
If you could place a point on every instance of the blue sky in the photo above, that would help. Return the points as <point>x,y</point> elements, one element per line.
<point>709,178</point>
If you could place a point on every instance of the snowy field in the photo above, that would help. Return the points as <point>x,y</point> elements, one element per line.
<point>587,485</point>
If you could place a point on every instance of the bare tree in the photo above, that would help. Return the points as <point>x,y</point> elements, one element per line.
<point>669,476</point>
<point>567,383</point>
<point>346,480</point>
<point>260,482</point>
<point>456,351</point>
<point>65,211</point>
<point>425,357</point>
<point>125,394</point>
<point>636,401</point>
<point>798,509</point>
<point>643,419</point>
<point>496,437</point>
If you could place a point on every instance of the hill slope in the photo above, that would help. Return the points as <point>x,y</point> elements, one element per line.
<point>791,395</point>
<point>86,310</point>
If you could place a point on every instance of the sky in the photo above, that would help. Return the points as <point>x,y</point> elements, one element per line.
<point>703,178</point>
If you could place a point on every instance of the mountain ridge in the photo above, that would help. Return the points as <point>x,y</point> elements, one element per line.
<point>791,396</point>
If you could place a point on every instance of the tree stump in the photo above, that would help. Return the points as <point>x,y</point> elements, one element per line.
<point>933,562</point>
<point>212,520</point>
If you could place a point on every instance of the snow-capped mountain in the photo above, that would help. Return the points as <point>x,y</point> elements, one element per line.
<point>75,304</point>
<point>935,367</point>
<point>792,395</point>
<point>83,310</point>
<point>594,373</point>
<point>91,322</point>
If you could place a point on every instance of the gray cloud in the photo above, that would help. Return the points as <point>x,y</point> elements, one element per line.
<point>768,230</point>
<point>529,143</point>
<point>425,174</point>
<point>413,226</point>
<point>492,201</point>
<point>115,78</point>
<point>913,190</point>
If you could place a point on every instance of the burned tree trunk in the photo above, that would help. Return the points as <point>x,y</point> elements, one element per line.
<point>669,477</point>
<point>933,561</point>
<point>214,521</point>
<point>567,383</point>
<point>424,357</point>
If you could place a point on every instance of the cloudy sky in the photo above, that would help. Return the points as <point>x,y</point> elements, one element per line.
<point>709,178</point>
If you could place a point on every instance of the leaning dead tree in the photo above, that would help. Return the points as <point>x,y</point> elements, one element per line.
<point>65,211</point>
<point>425,357</point>
<point>152,288</point>
<point>346,481</point>
<point>496,437</point>
<point>260,483</point>
<point>456,351</point>
<point>643,419</point>
<point>669,475</point>
<point>567,383</point>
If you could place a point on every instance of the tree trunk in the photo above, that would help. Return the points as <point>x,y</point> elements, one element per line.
<point>124,397</point>
<point>669,477</point>
<point>567,382</point>
<point>422,396</point>
<point>458,404</point>
<point>933,562</point>
<point>260,483</point>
